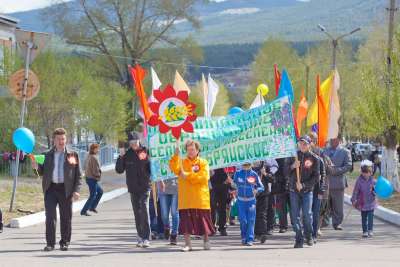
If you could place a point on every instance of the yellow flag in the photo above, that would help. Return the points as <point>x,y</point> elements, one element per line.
<point>180,84</point>
<point>326,88</point>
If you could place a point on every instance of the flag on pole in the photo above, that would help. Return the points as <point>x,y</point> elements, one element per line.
<point>323,116</point>
<point>180,84</point>
<point>155,84</point>
<point>213,90</point>
<point>138,74</point>
<point>334,108</point>
<point>301,111</point>
<point>257,102</point>
<point>277,76</point>
<point>325,88</point>
<point>205,95</point>
<point>286,89</point>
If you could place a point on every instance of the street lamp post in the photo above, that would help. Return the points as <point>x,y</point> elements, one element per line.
<point>335,44</point>
<point>335,41</point>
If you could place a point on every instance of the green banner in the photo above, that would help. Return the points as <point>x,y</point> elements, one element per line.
<point>258,134</point>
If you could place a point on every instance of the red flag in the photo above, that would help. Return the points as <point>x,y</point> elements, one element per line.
<point>277,76</point>
<point>138,73</point>
<point>323,117</point>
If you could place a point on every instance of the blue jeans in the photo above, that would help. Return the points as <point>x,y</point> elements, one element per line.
<point>169,202</point>
<point>96,192</point>
<point>301,201</point>
<point>316,206</point>
<point>367,220</point>
<point>247,219</point>
<point>156,224</point>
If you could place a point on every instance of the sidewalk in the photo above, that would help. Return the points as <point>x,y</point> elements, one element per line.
<point>109,237</point>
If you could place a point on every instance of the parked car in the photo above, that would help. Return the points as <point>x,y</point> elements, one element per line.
<point>362,151</point>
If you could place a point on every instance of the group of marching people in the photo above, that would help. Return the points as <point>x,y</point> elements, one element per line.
<point>311,186</point>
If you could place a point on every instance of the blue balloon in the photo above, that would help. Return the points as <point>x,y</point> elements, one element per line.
<point>24,139</point>
<point>234,110</point>
<point>383,188</point>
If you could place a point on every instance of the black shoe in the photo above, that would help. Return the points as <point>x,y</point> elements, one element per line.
<point>310,242</point>
<point>263,238</point>
<point>167,234</point>
<point>298,245</point>
<point>64,247</point>
<point>223,232</point>
<point>85,214</point>
<point>48,248</point>
<point>282,231</point>
<point>173,240</point>
<point>94,210</point>
<point>1,228</point>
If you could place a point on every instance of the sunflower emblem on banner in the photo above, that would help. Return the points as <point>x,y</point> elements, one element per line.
<point>172,111</point>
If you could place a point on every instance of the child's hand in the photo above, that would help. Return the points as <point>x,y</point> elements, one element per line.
<point>255,192</point>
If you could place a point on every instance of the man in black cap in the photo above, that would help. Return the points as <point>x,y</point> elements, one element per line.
<point>136,165</point>
<point>301,186</point>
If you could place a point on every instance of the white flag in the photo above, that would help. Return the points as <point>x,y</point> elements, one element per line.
<point>257,102</point>
<point>205,95</point>
<point>213,90</point>
<point>156,84</point>
<point>180,84</point>
<point>334,108</point>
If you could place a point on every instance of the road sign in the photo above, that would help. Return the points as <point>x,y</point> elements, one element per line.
<point>16,85</point>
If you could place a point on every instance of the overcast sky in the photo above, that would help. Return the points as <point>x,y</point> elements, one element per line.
<point>9,6</point>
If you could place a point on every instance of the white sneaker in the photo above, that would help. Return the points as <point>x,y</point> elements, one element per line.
<point>365,234</point>
<point>207,245</point>
<point>319,233</point>
<point>146,244</point>
<point>139,244</point>
<point>186,249</point>
<point>370,234</point>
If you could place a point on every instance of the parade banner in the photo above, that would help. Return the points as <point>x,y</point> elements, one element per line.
<point>258,134</point>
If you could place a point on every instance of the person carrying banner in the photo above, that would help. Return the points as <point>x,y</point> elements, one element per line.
<point>265,214</point>
<point>248,185</point>
<point>193,194</point>
<point>136,165</point>
<point>301,196</point>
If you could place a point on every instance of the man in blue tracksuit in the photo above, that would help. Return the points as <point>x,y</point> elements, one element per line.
<point>248,185</point>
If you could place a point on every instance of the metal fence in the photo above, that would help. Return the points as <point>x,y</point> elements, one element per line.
<point>107,156</point>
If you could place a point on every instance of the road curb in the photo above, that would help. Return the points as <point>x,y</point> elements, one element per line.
<point>40,217</point>
<point>381,212</point>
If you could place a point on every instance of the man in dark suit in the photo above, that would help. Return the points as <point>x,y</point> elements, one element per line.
<point>61,183</point>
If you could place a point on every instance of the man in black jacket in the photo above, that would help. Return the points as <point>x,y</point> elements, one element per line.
<point>61,184</point>
<point>136,165</point>
<point>301,186</point>
<point>281,190</point>
<point>219,199</point>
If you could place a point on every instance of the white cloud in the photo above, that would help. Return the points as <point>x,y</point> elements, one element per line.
<point>240,11</point>
<point>9,6</point>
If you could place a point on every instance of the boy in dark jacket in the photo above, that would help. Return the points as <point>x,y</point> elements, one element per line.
<point>220,199</point>
<point>136,165</point>
<point>265,214</point>
<point>281,190</point>
<point>301,186</point>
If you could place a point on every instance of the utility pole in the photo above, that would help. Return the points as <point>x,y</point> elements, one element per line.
<point>392,9</point>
